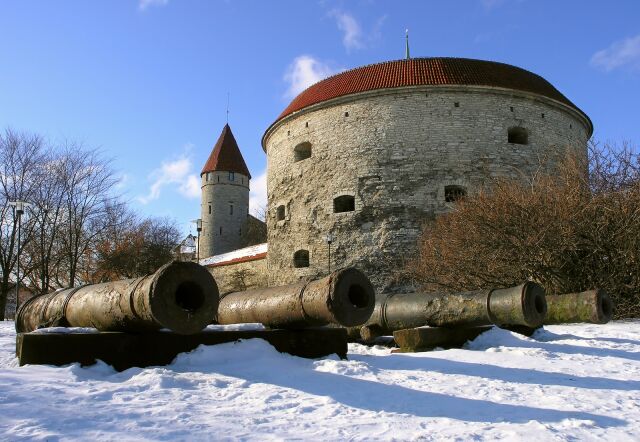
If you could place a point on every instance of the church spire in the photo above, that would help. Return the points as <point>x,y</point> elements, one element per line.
<point>406,46</point>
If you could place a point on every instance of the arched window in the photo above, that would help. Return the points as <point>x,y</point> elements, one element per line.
<point>301,259</point>
<point>344,203</point>
<point>302,151</point>
<point>518,135</point>
<point>454,193</point>
<point>280,213</point>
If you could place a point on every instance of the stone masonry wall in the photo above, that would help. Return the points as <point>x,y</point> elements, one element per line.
<point>395,151</point>
<point>218,194</point>
<point>240,276</point>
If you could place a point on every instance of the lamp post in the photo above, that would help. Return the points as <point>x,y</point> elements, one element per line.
<point>198,229</point>
<point>329,238</point>
<point>198,223</point>
<point>18,210</point>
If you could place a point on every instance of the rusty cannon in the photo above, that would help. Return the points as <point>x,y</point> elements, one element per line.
<point>593,306</point>
<point>345,297</point>
<point>524,305</point>
<point>180,296</point>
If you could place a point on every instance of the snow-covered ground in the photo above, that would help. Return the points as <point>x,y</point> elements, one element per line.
<point>573,382</point>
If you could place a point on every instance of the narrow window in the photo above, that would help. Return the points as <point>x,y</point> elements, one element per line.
<point>454,193</point>
<point>232,176</point>
<point>511,107</point>
<point>301,259</point>
<point>209,209</point>
<point>280,212</point>
<point>306,124</point>
<point>220,230</point>
<point>542,115</point>
<point>302,151</point>
<point>288,132</point>
<point>518,135</point>
<point>346,114</point>
<point>344,203</point>
<point>230,209</point>
<point>207,176</point>
<point>456,104</point>
<point>218,178</point>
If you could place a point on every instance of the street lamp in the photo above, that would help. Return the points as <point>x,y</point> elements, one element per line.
<point>198,229</point>
<point>329,238</point>
<point>18,210</point>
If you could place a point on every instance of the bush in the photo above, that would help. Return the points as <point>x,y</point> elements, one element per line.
<point>570,230</point>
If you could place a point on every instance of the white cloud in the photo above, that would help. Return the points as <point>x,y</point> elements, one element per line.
<point>620,54</point>
<point>178,172</point>
<point>144,4</point>
<point>258,195</point>
<point>303,72</point>
<point>352,32</point>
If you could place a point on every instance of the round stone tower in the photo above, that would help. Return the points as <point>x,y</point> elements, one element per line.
<point>225,198</point>
<point>365,157</point>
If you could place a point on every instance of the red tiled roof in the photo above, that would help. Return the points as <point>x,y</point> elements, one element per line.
<point>226,155</point>
<point>425,71</point>
<point>240,259</point>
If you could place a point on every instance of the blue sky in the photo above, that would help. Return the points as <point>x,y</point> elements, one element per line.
<point>147,80</point>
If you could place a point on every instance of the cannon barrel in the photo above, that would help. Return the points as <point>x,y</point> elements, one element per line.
<point>522,305</point>
<point>180,296</point>
<point>593,306</point>
<point>345,297</point>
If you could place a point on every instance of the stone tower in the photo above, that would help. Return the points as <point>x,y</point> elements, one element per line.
<point>225,198</point>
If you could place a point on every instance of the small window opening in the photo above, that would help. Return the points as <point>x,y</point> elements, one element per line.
<point>542,115</point>
<point>230,209</point>
<point>511,107</point>
<point>232,176</point>
<point>209,209</point>
<point>346,114</point>
<point>571,126</point>
<point>518,135</point>
<point>280,213</point>
<point>302,151</point>
<point>288,132</point>
<point>218,178</point>
<point>456,104</point>
<point>301,259</point>
<point>344,203</point>
<point>306,124</point>
<point>220,230</point>
<point>454,193</point>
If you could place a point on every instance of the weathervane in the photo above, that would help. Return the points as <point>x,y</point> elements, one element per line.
<point>227,107</point>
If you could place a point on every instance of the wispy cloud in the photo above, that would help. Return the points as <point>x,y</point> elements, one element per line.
<point>179,173</point>
<point>258,195</point>
<point>623,53</point>
<point>303,72</point>
<point>351,29</point>
<point>143,5</point>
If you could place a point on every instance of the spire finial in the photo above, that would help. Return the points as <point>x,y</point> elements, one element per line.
<point>227,107</point>
<point>406,49</point>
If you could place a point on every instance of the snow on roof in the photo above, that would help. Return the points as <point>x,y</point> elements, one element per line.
<point>250,253</point>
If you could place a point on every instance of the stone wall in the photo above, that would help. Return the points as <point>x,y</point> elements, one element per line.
<point>240,276</point>
<point>223,231</point>
<point>395,151</point>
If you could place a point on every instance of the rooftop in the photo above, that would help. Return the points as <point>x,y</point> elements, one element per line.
<point>226,155</point>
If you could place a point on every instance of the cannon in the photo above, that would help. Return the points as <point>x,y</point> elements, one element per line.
<point>593,306</point>
<point>345,297</point>
<point>523,305</point>
<point>180,296</point>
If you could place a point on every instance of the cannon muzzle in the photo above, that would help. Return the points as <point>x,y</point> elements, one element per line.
<point>345,297</point>
<point>593,306</point>
<point>180,296</point>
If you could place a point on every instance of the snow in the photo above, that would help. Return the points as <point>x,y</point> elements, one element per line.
<point>235,254</point>
<point>571,382</point>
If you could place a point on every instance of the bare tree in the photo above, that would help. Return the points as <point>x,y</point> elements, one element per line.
<point>88,183</point>
<point>21,159</point>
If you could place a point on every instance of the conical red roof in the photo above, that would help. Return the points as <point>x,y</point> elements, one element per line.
<point>226,155</point>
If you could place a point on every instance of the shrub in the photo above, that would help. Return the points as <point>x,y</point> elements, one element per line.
<point>570,230</point>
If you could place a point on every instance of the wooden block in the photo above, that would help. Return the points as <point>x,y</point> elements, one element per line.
<point>427,338</point>
<point>126,350</point>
